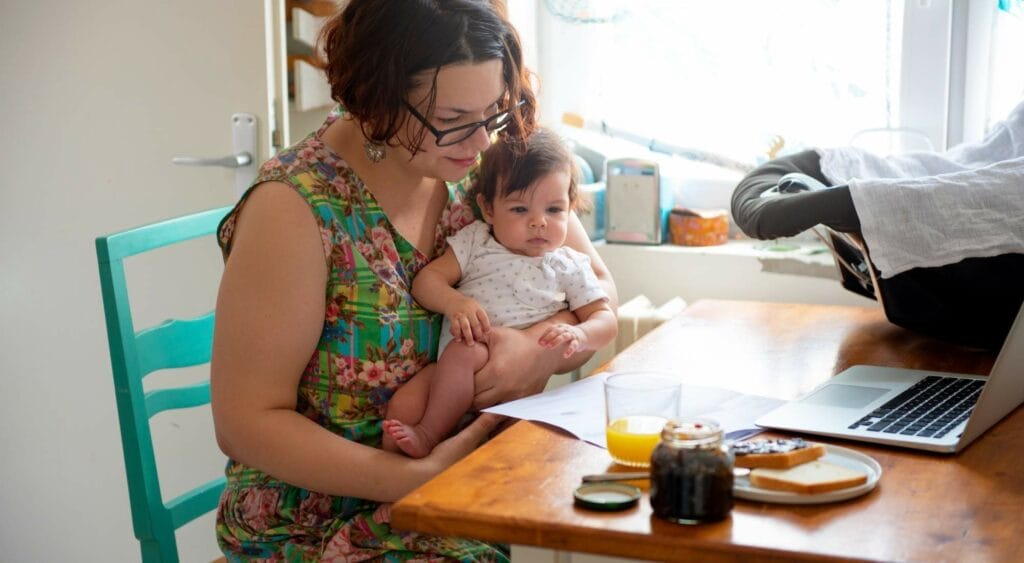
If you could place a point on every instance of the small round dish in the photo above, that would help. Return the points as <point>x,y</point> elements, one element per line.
<point>606,496</point>
<point>833,454</point>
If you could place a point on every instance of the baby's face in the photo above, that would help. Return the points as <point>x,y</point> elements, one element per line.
<point>533,221</point>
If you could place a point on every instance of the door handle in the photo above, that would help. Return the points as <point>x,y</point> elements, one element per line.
<point>243,137</point>
<point>234,161</point>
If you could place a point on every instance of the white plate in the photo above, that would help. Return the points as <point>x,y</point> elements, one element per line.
<point>833,454</point>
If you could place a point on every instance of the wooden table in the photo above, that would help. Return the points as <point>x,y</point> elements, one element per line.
<point>518,487</point>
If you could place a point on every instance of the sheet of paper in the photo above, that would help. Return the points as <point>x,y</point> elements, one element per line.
<point>578,408</point>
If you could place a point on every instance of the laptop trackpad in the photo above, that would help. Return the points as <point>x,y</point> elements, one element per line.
<point>847,396</point>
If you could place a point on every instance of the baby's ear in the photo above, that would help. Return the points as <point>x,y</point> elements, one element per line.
<point>485,208</point>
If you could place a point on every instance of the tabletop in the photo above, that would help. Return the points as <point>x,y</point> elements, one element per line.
<point>517,488</point>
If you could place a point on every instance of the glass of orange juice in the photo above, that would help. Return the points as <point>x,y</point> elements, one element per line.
<point>637,406</point>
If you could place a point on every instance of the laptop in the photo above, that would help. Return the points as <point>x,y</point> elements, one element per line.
<point>927,410</point>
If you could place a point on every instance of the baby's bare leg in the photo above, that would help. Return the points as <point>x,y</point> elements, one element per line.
<point>408,403</point>
<point>450,396</point>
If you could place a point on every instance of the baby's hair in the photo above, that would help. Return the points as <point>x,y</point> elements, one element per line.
<point>513,165</point>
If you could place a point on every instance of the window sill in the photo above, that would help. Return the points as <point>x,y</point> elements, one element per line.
<point>740,269</point>
<point>784,256</point>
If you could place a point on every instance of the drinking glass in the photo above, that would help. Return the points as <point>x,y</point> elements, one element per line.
<point>637,406</point>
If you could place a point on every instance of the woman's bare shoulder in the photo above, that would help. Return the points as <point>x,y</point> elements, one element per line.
<point>275,212</point>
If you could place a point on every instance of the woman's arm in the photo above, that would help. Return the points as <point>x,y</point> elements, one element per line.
<point>578,240</point>
<point>518,365</point>
<point>270,313</point>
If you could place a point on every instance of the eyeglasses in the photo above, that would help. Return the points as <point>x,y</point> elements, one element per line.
<point>447,137</point>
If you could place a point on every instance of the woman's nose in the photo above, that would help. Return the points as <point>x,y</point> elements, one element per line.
<point>480,139</point>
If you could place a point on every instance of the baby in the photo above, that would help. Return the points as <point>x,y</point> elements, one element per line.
<point>512,269</point>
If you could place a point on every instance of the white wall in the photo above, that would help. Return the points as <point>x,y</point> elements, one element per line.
<point>82,85</point>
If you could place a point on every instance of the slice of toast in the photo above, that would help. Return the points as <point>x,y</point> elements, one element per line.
<point>808,478</point>
<point>776,454</point>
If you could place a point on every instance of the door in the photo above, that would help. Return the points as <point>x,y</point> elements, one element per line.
<point>97,97</point>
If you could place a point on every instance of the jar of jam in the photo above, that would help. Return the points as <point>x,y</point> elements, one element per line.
<point>691,473</point>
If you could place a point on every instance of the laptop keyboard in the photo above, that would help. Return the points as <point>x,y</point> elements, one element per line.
<point>931,408</point>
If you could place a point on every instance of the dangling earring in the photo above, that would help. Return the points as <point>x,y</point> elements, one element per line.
<point>374,151</point>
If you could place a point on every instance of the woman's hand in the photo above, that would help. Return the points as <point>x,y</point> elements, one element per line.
<point>460,445</point>
<point>516,367</point>
<point>445,454</point>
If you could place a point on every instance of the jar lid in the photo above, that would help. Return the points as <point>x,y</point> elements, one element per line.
<point>698,430</point>
<point>606,496</point>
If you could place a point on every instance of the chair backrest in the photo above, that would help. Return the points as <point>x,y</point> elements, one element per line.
<point>175,343</point>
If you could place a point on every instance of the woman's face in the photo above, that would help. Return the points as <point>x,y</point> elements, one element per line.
<point>466,93</point>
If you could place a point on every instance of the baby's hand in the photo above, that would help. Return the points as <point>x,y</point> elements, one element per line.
<point>561,333</point>
<point>469,322</point>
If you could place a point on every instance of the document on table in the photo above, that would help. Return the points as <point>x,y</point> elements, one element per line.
<point>578,408</point>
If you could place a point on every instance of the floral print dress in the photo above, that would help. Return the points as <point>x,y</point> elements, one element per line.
<point>375,338</point>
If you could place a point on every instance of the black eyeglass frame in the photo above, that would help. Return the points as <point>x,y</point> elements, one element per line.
<point>470,128</point>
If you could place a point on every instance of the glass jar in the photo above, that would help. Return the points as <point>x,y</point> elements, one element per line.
<point>691,473</point>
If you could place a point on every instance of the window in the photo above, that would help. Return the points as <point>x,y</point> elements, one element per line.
<point>733,77</point>
<point>985,80</point>
<point>727,77</point>
<point>1006,80</point>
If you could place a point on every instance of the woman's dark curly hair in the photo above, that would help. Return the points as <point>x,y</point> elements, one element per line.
<point>378,50</point>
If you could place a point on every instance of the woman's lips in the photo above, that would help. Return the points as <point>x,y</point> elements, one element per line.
<point>463,162</point>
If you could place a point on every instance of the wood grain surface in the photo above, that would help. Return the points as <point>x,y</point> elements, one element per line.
<point>518,487</point>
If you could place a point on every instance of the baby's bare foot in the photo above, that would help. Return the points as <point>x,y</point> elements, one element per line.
<point>387,440</point>
<point>387,443</point>
<point>410,439</point>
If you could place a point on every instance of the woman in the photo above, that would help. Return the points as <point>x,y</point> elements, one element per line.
<point>316,327</point>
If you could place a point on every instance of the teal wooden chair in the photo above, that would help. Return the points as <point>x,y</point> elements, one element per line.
<point>134,354</point>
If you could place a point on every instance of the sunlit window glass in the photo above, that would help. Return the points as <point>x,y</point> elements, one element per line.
<point>727,76</point>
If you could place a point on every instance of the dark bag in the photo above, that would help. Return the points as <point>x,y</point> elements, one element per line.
<point>972,302</point>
